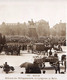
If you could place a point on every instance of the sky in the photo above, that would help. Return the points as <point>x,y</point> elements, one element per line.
<point>52,11</point>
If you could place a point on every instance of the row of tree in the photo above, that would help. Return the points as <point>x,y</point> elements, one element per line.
<point>2,39</point>
<point>42,29</point>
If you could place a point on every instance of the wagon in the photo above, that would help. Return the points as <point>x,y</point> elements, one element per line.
<point>43,60</point>
<point>38,47</point>
<point>41,47</point>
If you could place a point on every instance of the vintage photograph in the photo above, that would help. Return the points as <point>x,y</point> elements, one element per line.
<point>33,37</point>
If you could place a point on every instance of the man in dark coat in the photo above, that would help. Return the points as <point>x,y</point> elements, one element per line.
<point>50,53</point>
<point>6,67</point>
<point>57,67</point>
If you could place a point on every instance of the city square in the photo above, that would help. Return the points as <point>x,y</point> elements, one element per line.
<point>33,37</point>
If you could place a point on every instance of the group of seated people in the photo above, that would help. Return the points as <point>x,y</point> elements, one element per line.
<point>34,68</point>
<point>7,68</point>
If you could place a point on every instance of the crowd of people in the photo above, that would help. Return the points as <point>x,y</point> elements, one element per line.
<point>43,39</point>
<point>27,44</point>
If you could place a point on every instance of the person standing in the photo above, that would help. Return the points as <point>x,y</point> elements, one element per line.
<point>6,67</point>
<point>65,64</point>
<point>57,67</point>
<point>50,53</point>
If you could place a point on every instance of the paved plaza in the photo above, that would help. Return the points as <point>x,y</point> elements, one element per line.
<point>25,56</point>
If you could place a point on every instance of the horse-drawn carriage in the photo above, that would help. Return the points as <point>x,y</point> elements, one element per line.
<point>42,61</point>
<point>57,47</point>
<point>41,47</point>
<point>45,47</point>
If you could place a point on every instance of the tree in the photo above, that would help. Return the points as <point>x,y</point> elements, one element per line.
<point>3,40</point>
<point>0,38</point>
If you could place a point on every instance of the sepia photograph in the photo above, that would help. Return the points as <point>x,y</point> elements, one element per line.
<point>33,37</point>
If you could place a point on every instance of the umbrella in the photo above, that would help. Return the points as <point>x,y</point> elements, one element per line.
<point>26,64</point>
<point>30,68</point>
